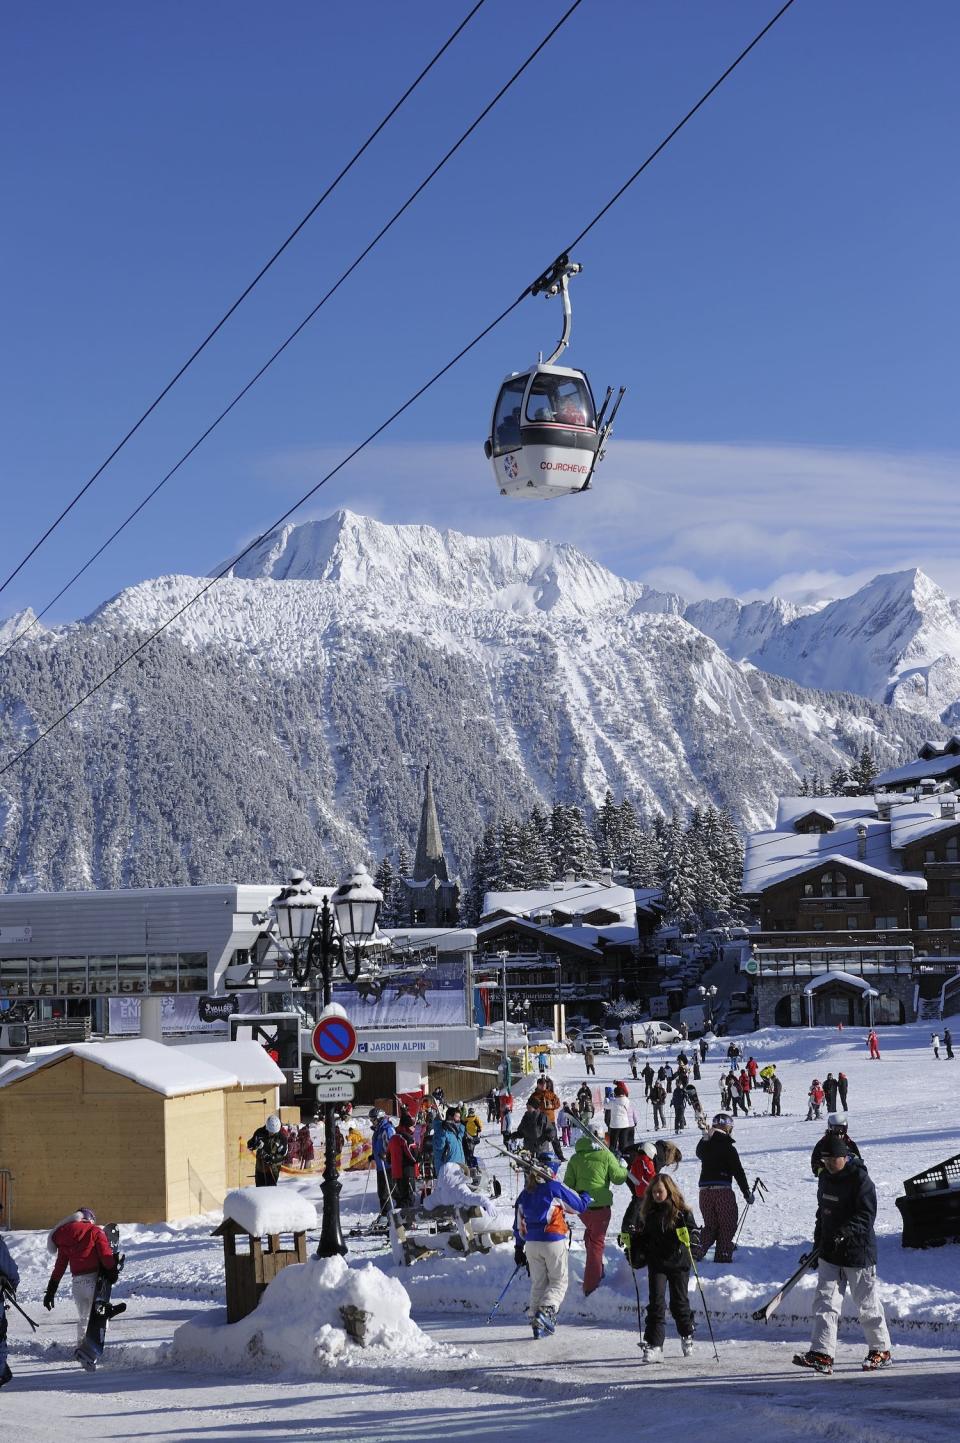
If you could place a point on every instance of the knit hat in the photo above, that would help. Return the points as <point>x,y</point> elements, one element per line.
<point>833,1146</point>
<point>648,1149</point>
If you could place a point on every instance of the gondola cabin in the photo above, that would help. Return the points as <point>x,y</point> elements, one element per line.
<point>544,436</point>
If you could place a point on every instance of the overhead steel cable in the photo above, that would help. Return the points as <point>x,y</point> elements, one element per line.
<point>307,495</point>
<point>239,301</point>
<point>303,324</point>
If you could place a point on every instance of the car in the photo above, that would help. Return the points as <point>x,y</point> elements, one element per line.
<point>596,1041</point>
<point>740,1002</point>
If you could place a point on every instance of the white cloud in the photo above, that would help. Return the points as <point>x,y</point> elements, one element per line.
<point>705,519</point>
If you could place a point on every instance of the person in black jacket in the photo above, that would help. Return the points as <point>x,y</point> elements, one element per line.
<point>836,1127</point>
<point>662,1212</point>
<point>845,1238</point>
<point>270,1146</point>
<point>830,1089</point>
<point>720,1167</point>
<point>648,1075</point>
<point>536,1132</point>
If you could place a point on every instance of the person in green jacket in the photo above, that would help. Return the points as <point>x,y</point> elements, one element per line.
<point>593,1169</point>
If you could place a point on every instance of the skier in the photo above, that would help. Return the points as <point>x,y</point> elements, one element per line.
<point>814,1100</point>
<point>589,1063</point>
<point>720,1166</point>
<point>648,1075</point>
<point>935,1044</point>
<point>678,1102</point>
<point>753,1067</point>
<point>270,1147</point>
<point>80,1244</point>
<point>536,1133</point>
<point>9,1282</point>
<point>541,1231</point>
<point>948,1043</point>
<point>843,1082</point>
<point>736,1093</point>
<point>746,1087</point>
<point>836,1127</point>
<point>634,1064</point>
<point>776,1089</point>
<point>845,1237</point>
<point>658,1096</point>
<point>448,1141</point>
<point>592,1170</point>
<point>873,1042</point>
<point>382,1133</point>
<point>623,1119</point>
<point>662,1212</point>
<point>493,1105</point>
<point>506,1113</point>
<point>472,1131</point>
<point>830,1089</point>
<point>402,1155</point>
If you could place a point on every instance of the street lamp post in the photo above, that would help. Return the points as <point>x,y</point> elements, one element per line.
<point>317,937</point>
<point>708,994</point>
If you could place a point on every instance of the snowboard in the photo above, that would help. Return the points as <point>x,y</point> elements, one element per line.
<point>90,1351</point>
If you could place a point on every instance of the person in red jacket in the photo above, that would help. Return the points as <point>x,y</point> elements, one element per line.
<point>81,1245</point>
<point>404,1164</point>
<point>873,1042</point>
<point>753,1067</point>
<point>746,1087</point>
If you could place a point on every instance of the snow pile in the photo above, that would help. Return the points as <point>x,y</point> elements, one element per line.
<point>453,1190</point>
<point>266,1210</point>
<point>298,1325</point>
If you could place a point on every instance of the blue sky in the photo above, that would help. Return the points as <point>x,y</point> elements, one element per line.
<point>778,292</point>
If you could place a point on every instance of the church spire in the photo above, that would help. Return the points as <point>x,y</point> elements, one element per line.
<point>430,861</point>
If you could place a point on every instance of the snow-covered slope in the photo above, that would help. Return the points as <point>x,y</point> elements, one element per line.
<point>301,699</point>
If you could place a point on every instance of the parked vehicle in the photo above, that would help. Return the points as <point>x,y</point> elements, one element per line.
<point>741,1002</point>
<point>664,1035</point>
<point>596,1041</point>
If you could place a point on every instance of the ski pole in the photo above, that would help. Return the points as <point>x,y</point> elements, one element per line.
<point>496,1305</point>
<point>758,1191</point>
<point>684,1235</point>
<point>9,1298</point>
<point>363,1200</point>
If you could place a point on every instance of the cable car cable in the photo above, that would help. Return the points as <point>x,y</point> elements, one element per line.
<point>481,335</point>
<point>240,299</point>
<point>293,334</point>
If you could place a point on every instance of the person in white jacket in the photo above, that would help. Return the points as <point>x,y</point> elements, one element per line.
<point>623,1119</point>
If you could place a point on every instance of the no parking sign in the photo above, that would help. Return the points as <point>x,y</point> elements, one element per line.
<point>334,1039</point>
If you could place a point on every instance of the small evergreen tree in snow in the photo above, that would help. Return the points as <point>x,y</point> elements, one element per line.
<point>865,771</point>
<point>574,850</point>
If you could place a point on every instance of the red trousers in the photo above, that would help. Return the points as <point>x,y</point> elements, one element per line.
<point>595,1224</point>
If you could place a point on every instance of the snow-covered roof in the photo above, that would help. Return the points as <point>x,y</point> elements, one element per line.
<point>835,809</point>
<point>250,1063</point>
<point>568,897</point>
<point>171,1071</point>
<point>918,771</point>
<point>265,1210</point>
<point>444,939</point>
<point>916,820</point>
<point>826,978</point>
<point>773,857</point>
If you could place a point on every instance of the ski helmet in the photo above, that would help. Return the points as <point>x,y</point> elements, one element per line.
<point>649,1150</point>
<point>373,1114</point>
<point>724,1121</point>
<point>272,1124</point>
<point>837,1119</point>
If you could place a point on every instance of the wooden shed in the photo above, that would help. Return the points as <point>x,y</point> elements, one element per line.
<point>247,1104</point>
<point>135,1130</point>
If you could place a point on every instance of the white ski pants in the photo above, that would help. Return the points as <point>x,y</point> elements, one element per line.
<point>84,1287</point>
<point>548,1274</point>
<point>832,1283</point>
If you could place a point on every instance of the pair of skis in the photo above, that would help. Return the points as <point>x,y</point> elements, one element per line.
<point>764,1314</point>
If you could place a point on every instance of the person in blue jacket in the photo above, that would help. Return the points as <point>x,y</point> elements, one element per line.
<point>9,1282</point>
<point>383,1130</point>
<point>448,1140</point>
<point>542,1235</point>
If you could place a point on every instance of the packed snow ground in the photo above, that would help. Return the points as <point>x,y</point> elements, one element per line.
<point>480,1380</point>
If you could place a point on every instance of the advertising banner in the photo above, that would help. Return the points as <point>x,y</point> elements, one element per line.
<point>434,996</point>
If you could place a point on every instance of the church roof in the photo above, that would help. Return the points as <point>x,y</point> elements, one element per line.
<point>430,861</point>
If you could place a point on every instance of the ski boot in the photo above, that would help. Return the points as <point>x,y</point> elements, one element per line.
<point>87,1364</point>
<point>819,1362</point>
<point>6,1376</point>
<point>651,1354</point>
<point>686,1345</point>
<point>546,1319</point>
<point>877,1358</point>
<point>537,1330</point>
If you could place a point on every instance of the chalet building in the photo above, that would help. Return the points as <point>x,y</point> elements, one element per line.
<point>936,765</point>
<point>580,942</point>
<point>859,906</point>
<point>430,897</point>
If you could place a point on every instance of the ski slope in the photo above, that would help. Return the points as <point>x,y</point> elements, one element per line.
<point>483,1381</point>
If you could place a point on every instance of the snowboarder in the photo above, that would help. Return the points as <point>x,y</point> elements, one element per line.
<point>9,1282</point>
<point>836,1127</point>
<point>589,1062</point>
<point>935,1044</point>
<point>720,1167</point>
<point>948,1043</point>
<point>847,1244</point>
<point>678,1102</point>
<point>82,1245</point>
<point>662,1212</point>
<point>270,1147</point>
<point>830,1089</point>
<point>873,1043</point>
<point>592,1170</point>
<point>658,1096</point>
<point>623,1119</point>
<point>843,1082</point>
<point>536,1133</point>
<point>648,1075</point>
<point>541,1231</point>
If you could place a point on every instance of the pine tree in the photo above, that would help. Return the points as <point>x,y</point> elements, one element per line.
<point>513,871</point>
<point>679,875</point>
<point>574,850</point>
<point>865,771</point>
<point>839,779</point>
<point>404,864</point>
<point>606,831</point>
<point>535,850</point>
<point>804,788</point>
<point>392,909</point>
<point>485,874</point>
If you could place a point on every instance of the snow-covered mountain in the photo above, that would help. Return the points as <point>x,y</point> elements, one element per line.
<point>288,713</point>
<point>896,640</point>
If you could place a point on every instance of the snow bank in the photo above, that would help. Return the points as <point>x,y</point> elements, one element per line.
<point>298,1326</point>
<point>452,1189</point>
<point>265,1210</point>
